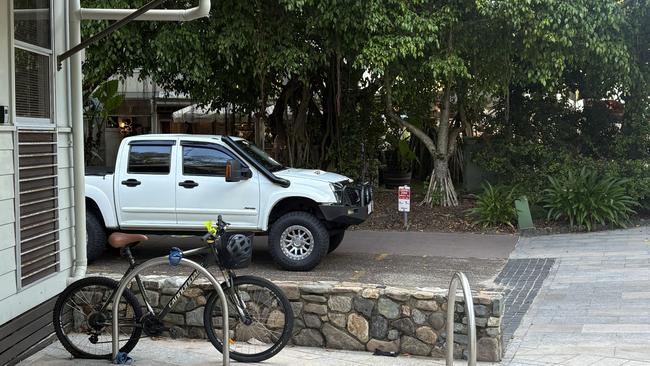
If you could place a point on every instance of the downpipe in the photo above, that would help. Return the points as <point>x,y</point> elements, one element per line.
<point>80,261</point>
<point>76,14</point>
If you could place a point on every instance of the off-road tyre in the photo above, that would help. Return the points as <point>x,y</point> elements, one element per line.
<point>336,237</point>
<point>95,237</point>
<point>319,234</point>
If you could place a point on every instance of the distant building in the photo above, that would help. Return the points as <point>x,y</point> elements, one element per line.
<point>149,109</point>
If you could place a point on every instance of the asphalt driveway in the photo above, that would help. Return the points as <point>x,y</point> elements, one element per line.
<point>407,259</point>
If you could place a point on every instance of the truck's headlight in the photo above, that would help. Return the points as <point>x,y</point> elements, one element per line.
<point>337,189</point>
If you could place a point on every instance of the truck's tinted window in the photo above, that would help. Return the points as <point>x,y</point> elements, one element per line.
<point>149,159</point>
<point>204,161</point>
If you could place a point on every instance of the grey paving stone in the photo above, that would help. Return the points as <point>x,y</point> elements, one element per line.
<point>600,283</point>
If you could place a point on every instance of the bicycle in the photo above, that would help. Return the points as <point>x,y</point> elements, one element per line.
<point>260,314</point>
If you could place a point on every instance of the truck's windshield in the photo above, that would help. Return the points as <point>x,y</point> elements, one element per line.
<point>259,155</point>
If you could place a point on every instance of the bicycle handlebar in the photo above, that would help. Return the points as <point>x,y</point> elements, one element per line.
<point>214,229</point>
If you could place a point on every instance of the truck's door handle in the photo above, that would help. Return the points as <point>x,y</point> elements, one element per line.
<point>131,182</point>
<point>188,184</point>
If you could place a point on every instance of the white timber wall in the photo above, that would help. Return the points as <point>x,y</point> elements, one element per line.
<point>13,299</point>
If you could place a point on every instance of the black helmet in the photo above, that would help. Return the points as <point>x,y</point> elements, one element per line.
<point>237,252</point>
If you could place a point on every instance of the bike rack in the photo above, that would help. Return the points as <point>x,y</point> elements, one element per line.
<point>183,262</point>
<point>471,323</point>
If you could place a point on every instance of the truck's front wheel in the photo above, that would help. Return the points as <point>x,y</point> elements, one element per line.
<point>336,237</point>
<point>298,241</point>
<point>95,237</point>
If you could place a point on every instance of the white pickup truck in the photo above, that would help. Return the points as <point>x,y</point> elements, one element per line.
<point>171,184</point>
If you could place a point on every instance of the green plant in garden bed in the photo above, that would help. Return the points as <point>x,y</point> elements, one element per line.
<point>587,198</point>
<point>495,206</point>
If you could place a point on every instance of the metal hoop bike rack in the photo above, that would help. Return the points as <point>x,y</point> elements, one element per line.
<point>183,262</point>
<point>471,323</point>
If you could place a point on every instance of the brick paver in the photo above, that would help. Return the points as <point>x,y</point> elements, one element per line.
<point>522,279</point>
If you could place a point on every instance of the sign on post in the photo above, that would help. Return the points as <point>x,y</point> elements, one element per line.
<point>404,202</point>
<point>404,199</point>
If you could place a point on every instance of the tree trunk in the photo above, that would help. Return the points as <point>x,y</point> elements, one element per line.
<point>440,184</point>
<point>259,120</point>
<point>441,188</point>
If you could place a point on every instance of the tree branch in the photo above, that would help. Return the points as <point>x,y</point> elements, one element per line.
<point>393,117</point>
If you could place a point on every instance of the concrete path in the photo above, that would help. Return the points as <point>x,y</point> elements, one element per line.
<point>167,352</point>
<point>386,258</point>
<point>452,245</point>
<point>594,307</point>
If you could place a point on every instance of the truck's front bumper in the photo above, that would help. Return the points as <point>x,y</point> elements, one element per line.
<point>353,207</point>
<point>346,215</point>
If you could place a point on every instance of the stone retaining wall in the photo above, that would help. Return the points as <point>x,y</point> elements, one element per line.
<point>358,317</point>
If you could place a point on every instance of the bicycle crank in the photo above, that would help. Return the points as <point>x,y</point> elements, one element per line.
<point>152,326</point>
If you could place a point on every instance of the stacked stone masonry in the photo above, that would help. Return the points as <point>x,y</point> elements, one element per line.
<point>357,317</point>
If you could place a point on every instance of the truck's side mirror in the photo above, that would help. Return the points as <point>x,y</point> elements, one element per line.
<point>246,172</point>
<point>234,171</point>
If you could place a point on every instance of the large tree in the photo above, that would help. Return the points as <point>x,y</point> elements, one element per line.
<point>481,48</point>
<point>436,64</point>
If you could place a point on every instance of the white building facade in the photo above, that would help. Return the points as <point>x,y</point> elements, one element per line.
<point>36,184</point>
<point>42,199</point>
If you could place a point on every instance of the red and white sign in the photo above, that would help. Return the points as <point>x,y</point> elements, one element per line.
<point>404,199</point>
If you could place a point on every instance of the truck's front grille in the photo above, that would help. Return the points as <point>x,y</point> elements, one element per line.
<point>359,195</point>
<point>352,196</point>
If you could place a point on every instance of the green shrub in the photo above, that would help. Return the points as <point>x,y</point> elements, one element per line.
<point>587,198</point>
<point>495,206</point>
<point>527,165</point>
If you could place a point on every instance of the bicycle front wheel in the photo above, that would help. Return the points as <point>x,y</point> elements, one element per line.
<point>266,324</point>
<point>84,329</point>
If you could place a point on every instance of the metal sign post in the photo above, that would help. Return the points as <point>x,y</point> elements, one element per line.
<point>404,202</point>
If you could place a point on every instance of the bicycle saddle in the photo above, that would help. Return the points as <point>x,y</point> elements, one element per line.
<point>121,240</point>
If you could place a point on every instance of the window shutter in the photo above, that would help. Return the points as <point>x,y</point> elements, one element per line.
<point>39,218</point>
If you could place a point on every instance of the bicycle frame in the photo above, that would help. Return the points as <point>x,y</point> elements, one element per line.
<point>205,263</point>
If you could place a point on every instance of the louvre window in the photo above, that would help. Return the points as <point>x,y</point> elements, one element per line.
<point>39,220</point>
<point>33,58</point>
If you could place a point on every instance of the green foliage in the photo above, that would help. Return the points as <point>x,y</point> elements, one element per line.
<point>495,206</point>
<point>252,54</point>
<point>398,152</point>
<point>586,198</point>
<point>104,99</point>
<point>98,106</point>
<point>527,164</point>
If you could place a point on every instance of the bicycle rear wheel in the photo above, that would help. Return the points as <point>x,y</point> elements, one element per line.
<point>267,325</point>
<point>86,331</point>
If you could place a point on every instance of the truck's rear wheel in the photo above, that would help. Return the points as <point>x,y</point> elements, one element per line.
<point>95,237</point>
<point>298,241</point>
<point>336,237</point>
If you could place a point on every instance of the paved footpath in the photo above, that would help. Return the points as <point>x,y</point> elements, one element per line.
<point>594,307</point>
<point>165,352</point>
<point>575,299</point>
